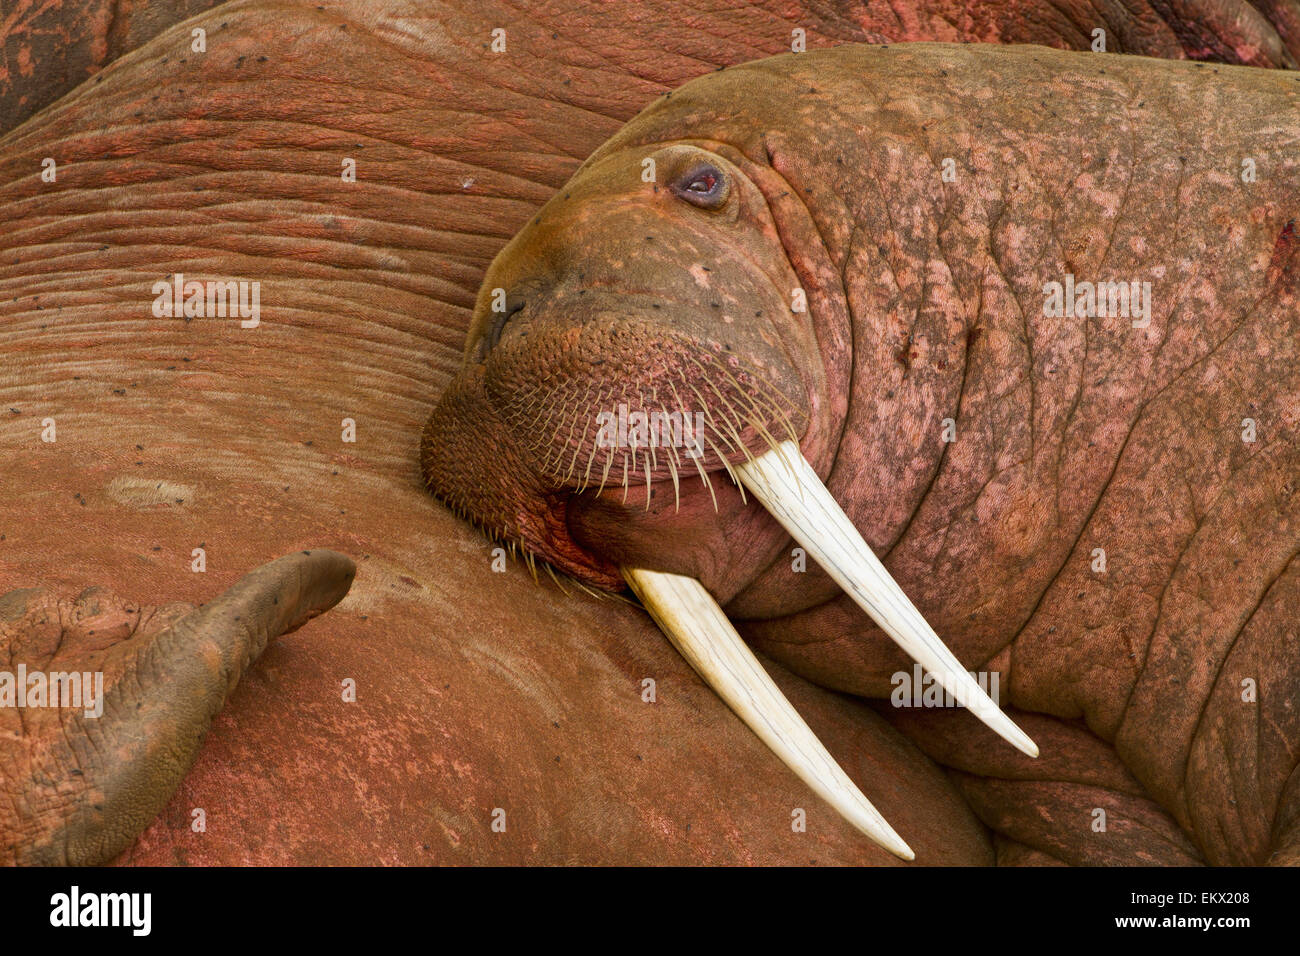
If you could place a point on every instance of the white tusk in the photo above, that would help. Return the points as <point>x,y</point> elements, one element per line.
<point>698,628</point>
<point>786,485</point>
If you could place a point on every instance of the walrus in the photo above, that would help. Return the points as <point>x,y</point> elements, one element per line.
<point>467,198</point>
<point>852,267</point>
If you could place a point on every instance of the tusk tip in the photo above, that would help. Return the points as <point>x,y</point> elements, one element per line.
<point>1010,731</point>
<point>891,841</point>
<point>1006,728</point>
<point>1012,734</point>
<point>864,818</point>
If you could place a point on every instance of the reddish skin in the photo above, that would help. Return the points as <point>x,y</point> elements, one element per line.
<point>366,296</point>
<point>404,259</point>
<point>48,47</point>
<point>1063,425</point>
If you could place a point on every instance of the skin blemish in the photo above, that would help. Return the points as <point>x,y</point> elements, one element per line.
<point>904,357</point>
<point>1281,261</point>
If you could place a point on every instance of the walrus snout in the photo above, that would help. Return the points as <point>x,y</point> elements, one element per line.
<point>635,336</point>
<point>642,334</point>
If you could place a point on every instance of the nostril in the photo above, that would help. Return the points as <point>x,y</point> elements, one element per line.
<point>514,304</point>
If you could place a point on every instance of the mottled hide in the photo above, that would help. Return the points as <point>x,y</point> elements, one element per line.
<point>475,691</point>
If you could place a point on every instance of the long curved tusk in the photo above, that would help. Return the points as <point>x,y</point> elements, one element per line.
<point>786,485</point>
<point>699,629</point>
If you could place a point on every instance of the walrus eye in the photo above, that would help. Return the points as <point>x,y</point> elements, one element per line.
<point>703,186</point>
<point>703,183</point>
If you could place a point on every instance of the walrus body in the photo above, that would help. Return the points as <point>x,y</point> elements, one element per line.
<point>368,293</point>
<point>1100,507</point>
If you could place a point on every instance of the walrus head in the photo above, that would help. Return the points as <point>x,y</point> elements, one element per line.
<point>643,353</point>
<point>630,343</point>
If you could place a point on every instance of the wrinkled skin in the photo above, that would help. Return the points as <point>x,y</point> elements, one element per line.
<point>368,294</point>
<point>48,47</point>
<point>1074,434</point>
<point>239,451</point>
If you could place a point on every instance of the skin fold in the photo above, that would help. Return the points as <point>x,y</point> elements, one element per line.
<point>229,166</point>
<point>50,47</point>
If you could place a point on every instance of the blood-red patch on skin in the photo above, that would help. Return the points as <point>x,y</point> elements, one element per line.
<point>1283,259</point>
